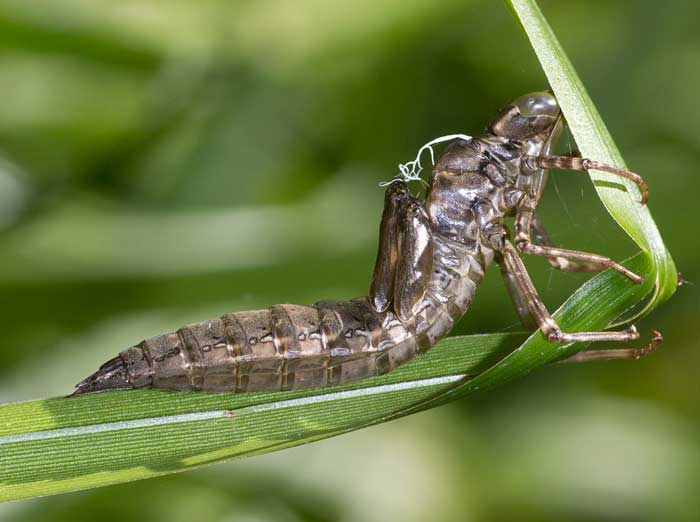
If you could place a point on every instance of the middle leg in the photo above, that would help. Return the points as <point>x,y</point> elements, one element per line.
<point>523,242</point>
<point>541,237</point>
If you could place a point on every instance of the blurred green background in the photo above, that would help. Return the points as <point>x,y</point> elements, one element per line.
<point>162,162</point>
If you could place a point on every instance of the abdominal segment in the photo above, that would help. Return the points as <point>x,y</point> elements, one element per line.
<point>285,347</point>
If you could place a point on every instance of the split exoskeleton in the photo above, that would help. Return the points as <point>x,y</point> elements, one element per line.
<point>432,256</point>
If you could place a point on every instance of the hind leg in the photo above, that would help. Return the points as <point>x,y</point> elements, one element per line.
<point>620,353</point>
<point>527,296</point>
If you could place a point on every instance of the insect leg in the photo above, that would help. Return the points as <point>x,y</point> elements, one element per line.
<point>518,298</point>
<point>623,353</point>
<point>533,163</point>
<point>381,290</point>
<point>528,294</point>
<point>523,225</point>
<point>541,237</point>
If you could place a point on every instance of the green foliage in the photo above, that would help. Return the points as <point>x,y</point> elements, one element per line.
<point>90,449</point>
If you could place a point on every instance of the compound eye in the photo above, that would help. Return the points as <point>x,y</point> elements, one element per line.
<point>537,104</point>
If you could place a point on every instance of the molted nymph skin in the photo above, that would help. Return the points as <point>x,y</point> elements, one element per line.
<point>432,256</point>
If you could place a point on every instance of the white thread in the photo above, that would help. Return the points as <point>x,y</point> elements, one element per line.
<point>411,170</point>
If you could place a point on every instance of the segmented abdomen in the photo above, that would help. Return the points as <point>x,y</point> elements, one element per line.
<point>285,347</point>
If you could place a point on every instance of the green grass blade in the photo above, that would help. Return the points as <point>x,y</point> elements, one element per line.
<point>57,445</point>
<point>620,196</point>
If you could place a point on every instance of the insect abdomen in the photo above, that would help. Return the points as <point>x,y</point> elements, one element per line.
<point>285,347</point>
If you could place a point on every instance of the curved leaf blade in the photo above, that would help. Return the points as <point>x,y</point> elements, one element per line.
<point>594,141</point>
<point>57,445</point>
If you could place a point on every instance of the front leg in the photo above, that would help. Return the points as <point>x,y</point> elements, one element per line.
<point>535,163</point>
